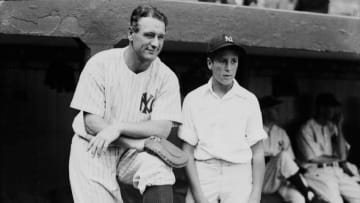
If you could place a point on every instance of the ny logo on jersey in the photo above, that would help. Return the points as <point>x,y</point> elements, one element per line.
<point>146,103</point>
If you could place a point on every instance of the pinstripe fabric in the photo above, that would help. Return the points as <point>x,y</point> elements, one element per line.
<point>93,180</point>
<point>108,88</point>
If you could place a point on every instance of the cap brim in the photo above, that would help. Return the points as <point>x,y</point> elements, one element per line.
<point>239,48</point>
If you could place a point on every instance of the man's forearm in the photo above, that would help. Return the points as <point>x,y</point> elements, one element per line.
<point>159,128</point>
<point>341,144</point>
<point>94,124</point>
<point>144,129</point>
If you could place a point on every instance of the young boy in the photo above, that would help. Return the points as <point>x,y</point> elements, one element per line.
<point>223,132</point>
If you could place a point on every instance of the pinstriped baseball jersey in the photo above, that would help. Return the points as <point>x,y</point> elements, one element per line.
<point>108,88</point>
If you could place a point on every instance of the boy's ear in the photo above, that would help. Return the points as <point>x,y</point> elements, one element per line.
<point>209,63</point>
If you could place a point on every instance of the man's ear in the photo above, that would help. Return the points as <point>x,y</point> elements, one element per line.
<point>130,33</point>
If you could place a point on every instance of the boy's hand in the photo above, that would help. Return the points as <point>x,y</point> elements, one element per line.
<point>254,200</point>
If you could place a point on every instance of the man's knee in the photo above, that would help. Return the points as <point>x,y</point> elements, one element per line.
<point>149,159</point>
<point>292,195</point>
<point>152,171</point>
<point>284,156</point>
<point>298,198</point>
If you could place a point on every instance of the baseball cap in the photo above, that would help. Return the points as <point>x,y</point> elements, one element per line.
<point>222,41</point>
<point>268,102</point>
<point>327,99</point>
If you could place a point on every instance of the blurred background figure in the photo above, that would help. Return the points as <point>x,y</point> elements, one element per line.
<point>345,7</point>
<point>282,174</point>
<point>324,150</point>
<point>280,4</point>
<point>318,6</point>
<point>220,1</point>
<point>335,7</point>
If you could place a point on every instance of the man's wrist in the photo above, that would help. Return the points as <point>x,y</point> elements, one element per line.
<point>116,127</point>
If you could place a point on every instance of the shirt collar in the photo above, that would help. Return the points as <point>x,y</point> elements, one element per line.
<point>236,90</point>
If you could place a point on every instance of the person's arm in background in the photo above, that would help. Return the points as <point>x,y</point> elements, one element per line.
<point>258,170</point>
<point>342,147</point>
<point>340,142</point>
<point>287,145</point>
<point>309,147</point>
<point>193,176</point>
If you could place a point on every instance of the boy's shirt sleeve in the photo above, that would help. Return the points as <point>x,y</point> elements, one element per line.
<point>187,131</point>
<point>254,129</point>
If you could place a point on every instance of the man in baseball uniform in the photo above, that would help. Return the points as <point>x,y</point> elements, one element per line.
<point>282,174</point>
<point>223,132</point>
<point>324,150</point>
<point>124,96</point>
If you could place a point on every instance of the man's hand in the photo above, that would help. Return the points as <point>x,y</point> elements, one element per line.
<point>339,120</point>
<point>100,143</point>
<point>324,159</point>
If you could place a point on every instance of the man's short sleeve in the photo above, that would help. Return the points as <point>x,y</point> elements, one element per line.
<point>167,105</point>
<point>187,131</point>
<point>89,95</point>
<point>254,127</point>
<point>307,146</point>
<point>287,144</point>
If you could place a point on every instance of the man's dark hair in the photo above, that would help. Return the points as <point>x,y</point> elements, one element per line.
<point>145,11</point>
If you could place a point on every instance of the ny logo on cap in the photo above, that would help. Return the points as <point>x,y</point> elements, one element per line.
<point>228,39</point>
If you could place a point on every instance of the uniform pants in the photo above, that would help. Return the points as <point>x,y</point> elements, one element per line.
<point>94,179</point>
<point>223,181</point>
<point>277,170</point>
<point>333,184</point>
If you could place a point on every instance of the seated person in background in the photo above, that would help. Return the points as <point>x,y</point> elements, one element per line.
<point>280,4</point>
<point>323,149</point>
<point>317,6</point>
<point>282,173</point>
<point>220,1</point>
<point>272,4</point>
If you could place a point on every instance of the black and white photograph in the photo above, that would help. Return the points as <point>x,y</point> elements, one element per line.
<point>180,101</point>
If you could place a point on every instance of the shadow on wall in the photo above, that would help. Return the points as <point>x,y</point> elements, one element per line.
<point>37,79</point>
<point>61,195</point>
<point>303,108</point>
<point>352,127</point>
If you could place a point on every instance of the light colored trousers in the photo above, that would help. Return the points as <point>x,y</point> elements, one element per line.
<point>94,179</point>
<point>277,170</point>
<point>223,181</point>
<point>333,184</point>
